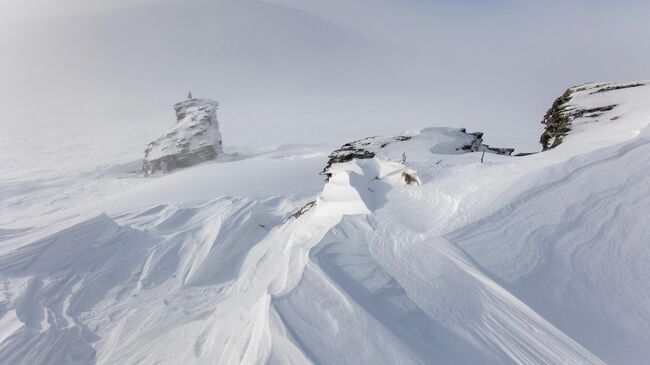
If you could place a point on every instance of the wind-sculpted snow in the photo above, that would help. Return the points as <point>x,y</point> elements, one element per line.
<point>487,259</point>
<point>98,283</point>
<point>579,256</point>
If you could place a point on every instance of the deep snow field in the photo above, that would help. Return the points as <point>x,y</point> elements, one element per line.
<point>288,249</point>
<point>538,259</point>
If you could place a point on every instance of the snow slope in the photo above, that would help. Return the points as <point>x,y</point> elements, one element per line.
<point>514,260</point>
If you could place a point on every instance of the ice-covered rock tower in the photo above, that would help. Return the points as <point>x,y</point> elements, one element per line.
<point>195,138</point>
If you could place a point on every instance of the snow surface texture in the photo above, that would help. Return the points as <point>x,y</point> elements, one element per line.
<point>194,139</point>
<point>539,259</point>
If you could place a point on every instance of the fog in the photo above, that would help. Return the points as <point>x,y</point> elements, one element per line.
<point>290,71</point>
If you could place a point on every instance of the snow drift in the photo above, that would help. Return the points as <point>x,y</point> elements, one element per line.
<point>538,259</point>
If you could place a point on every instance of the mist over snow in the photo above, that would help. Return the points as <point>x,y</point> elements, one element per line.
<point>324,182</point>
<point>323,69</point>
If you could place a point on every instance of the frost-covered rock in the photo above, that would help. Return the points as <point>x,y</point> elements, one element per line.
<point>194,139</point>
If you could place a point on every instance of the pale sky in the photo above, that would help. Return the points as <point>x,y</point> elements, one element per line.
<point>17,10</point>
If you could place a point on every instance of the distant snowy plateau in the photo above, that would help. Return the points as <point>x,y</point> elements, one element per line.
<point>423,247</point>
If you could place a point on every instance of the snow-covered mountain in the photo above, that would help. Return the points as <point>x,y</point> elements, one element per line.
<point>425,246</point>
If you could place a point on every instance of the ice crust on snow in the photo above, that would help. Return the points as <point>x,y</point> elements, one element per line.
<point>195,138</point>
<point>514,260</point>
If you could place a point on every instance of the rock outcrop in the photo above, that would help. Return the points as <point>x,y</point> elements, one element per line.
<point>587,102</point>
<point>451,141</point>
<point>194,139</point>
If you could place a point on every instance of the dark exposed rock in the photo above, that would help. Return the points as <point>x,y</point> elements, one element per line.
<point>556,121</point>
<point>477,145</point>
<point>498,150</point>
<point>616,87</point>
<point>410,179</point>
<point>358,150</point>
<point>522,154</point>
<point>301,211</point>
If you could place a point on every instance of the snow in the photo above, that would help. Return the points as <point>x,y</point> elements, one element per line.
<point>528,260</point>
<point>253,258</point>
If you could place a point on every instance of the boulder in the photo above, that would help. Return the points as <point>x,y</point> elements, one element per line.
<point>194,138</point>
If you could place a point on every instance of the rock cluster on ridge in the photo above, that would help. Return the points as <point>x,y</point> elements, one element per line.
<point>195,138</point>
<point>582,105</point>
<point>456,141</point>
